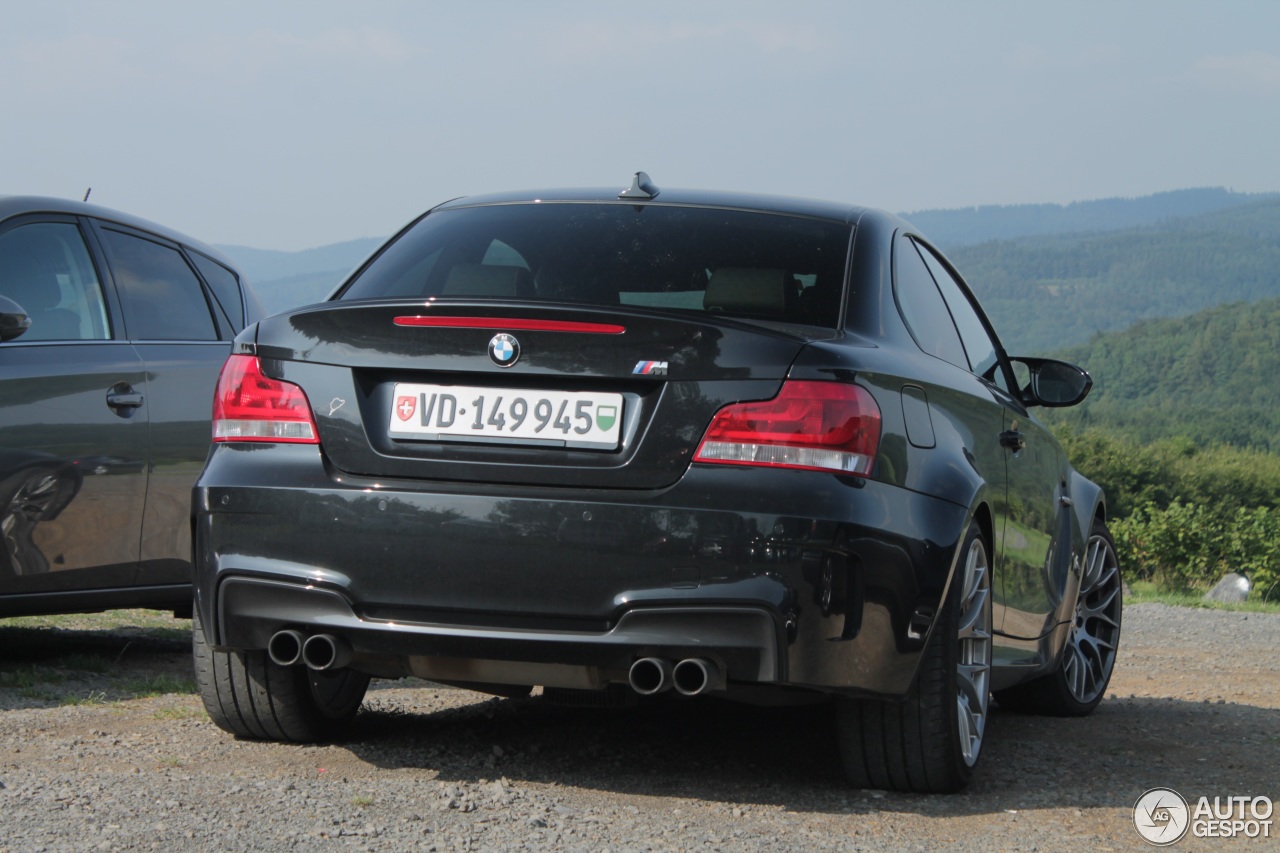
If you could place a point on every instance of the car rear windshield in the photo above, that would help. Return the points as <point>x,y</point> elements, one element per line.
<point>738,263</point>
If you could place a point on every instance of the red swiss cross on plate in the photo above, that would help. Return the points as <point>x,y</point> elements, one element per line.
<point>405,407</point>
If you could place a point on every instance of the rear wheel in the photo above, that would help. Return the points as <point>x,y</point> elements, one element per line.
<point>251,697</point>
<point>930,742</point>
<point>1077,685</point>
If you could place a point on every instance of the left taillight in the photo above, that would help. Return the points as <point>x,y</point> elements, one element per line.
<point>818,426</point>
<point>250,406</point>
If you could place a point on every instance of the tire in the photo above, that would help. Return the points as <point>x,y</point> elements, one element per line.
<point>1078,683</point>
<point>931,741</point>
<point>251,697</point>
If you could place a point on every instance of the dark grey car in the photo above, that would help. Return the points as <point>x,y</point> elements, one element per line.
<point>112,332</point>
<point>765,449</point>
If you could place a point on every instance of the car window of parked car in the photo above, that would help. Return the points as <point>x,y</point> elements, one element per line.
<point>225,287</point>
<point>923,307</point>
<point>46,268</point>
<point>736,263</point>
<point>973,333</point>
<point>162,298</point>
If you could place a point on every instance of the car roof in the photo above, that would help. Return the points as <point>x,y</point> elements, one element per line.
<point>696,198</point>
<point>17,205</point>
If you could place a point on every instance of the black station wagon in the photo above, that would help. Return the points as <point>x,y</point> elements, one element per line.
<point>112,333</point>
<point>638,442</point>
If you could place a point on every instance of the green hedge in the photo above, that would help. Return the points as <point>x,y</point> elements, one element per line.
<point>1187,547</point>
<point>1184,515</point>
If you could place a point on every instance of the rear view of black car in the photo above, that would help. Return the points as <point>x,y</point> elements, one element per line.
<point>112,334</point>
<point>747,447</point>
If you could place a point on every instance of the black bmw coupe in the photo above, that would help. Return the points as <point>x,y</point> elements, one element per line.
<point>711,444</point>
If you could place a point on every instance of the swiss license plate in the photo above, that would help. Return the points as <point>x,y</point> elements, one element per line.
<point>505,415</point>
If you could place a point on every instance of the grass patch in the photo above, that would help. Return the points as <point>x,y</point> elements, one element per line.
<point>159,621</point>
<point>159,685</point>
<point>96,697</point>
<point>1145,592</point>
<point>361,801</point>
<point>177,712</point>
<point>94,658</point>
<point>29,677</point>
<point>85,662</point>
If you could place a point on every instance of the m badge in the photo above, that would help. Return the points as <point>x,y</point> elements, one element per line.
<point>651,368</point>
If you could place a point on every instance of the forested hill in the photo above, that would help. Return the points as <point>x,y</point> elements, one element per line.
<point>1213,377</point>
<point>1043,293</point>
<point>950,229</point>
<point>285,280</point>
<point>270,265</point>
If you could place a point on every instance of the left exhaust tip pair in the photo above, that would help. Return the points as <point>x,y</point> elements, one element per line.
<point>319,651</point>
<point>689,677</point>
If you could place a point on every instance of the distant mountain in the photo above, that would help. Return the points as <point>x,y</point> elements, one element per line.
<point>1213,377</point>
<point>1080,269</point>
<point>1043,293</point>
<point>268,264</point>
<point>968,226</point>
<point>285,280</point>
<point>283,294</point>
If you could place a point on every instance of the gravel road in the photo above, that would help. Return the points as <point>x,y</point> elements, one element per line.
<point>1194,705</point>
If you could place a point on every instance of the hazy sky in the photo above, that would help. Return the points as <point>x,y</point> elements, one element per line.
<point>287,125</point>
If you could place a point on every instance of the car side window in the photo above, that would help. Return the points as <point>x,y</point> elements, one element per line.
<point>162,298</point>
<point>225,287</point>
<point>973,333</point>
<point>46,268</point>
<point>922,306</point>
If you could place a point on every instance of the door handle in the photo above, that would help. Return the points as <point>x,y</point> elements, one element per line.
<point>123,396</point>
<point>1013,440</point>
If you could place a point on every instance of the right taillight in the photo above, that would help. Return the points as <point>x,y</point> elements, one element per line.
<point>250,406</point>
<point>820,426</point>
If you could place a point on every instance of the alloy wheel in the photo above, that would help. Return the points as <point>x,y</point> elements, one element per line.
<point>973,669</point>
<point>1091,648</point>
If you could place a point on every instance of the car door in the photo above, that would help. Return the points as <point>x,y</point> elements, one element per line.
<point>182,331</point>
<point>1033,547</point>
<point>73,419</point>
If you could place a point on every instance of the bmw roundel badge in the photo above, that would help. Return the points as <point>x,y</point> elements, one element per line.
<point>504,350</point>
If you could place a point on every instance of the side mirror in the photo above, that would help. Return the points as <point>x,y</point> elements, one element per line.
<point>13,319</point>
<point>1052,383</point>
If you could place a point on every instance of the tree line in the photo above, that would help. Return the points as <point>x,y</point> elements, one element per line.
<point>1183,431</point>
<point>1043,293</point>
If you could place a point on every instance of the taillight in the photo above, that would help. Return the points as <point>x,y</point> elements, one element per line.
<point>249,406</point>
<point>822,426</point>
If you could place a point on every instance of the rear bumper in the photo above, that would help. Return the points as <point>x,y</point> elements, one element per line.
<point>795,578</point>
<point>743,641</point>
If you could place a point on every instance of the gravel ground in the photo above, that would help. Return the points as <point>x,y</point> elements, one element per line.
<point>1194,705</point>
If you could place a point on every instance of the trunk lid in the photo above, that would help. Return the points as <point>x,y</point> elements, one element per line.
<point>655,377</point>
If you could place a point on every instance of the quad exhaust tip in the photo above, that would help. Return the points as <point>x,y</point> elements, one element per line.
<point>325,651</point>
<point>285,647</point>
<point>693,676</point>
<point>650,675</point>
